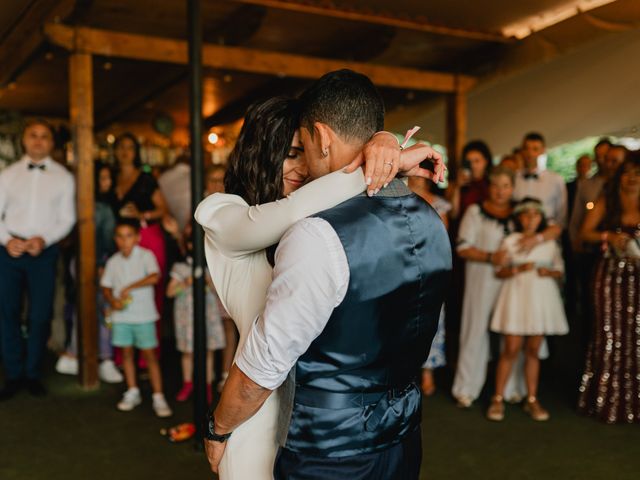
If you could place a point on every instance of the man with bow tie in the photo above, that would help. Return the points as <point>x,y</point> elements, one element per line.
<point>37,210</point>
<point>546,186</point>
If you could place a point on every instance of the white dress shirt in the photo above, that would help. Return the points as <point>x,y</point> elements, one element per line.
<point>175,186</point>
<point>550,189</point>
<point>36,202</point>
<point>310,279</point>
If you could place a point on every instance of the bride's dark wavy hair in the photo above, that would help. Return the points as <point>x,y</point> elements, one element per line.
<point>255,164</point>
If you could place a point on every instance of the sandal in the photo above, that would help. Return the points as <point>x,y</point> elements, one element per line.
<point>535,410</point>
<point>495,413</point>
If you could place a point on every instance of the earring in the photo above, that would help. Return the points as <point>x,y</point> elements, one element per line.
<point>325,153</point>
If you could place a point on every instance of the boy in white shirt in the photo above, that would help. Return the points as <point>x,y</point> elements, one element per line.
<point>127,282</point>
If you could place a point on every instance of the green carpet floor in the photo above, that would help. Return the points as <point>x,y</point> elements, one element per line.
<point>76,435</point>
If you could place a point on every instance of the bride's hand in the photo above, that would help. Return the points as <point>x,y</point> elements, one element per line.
<point>412,158</point>
<point>381,159</point>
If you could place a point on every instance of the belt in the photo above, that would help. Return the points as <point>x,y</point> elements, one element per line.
<point>381,400</point>
<point>313,397</point>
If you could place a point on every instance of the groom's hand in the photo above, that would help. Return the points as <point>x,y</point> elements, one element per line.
<point>214,451</point>
<point>381,157</point>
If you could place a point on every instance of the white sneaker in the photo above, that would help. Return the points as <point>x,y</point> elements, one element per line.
<point>160,406</point>
<point>108,372</point>
<point>67,365</point>
<point>130,400</point>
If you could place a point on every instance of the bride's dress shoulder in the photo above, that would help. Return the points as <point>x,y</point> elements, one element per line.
<point>237,229</point>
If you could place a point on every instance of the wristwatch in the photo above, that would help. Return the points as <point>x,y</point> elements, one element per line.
<point>209,431</point>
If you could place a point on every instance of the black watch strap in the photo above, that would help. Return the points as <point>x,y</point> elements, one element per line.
<point>209,431</point>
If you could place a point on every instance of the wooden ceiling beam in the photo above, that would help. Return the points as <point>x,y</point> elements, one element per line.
<point>404,22</point>
<point>21,44</point>
<point>157,49</point>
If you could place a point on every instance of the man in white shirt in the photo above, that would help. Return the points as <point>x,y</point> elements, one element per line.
<point>37,210</point>
<point>175,185</point>
<point>546,186</point>
<point>352,308</point>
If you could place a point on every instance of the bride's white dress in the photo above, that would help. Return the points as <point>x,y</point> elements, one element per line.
<point>236,236</point>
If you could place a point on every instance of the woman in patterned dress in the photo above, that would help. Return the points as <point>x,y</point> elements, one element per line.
<point>610,389</point>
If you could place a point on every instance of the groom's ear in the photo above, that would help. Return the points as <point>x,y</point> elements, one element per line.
<point>323,136</point>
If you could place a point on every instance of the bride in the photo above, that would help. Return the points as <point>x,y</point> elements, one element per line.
<point>266,194</point>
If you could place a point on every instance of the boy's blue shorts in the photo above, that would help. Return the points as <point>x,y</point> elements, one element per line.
<point>139,335</point>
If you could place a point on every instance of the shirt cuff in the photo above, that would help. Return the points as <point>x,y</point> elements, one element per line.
<point>259,366</point>
<point>4,238</point>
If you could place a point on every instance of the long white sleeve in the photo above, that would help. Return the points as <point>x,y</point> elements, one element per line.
<point>237,229</point>
<point>5,236</point>
<point>310,279</point>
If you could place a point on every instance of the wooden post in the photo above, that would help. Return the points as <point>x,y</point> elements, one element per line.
<point>81,113</point>
<point>456,130</point>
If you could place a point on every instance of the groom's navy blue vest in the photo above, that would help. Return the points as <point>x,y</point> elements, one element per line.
<point>355,385</point>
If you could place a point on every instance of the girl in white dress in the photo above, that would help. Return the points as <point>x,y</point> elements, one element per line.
<point>267,165</point>
<point>483,227</point>
<point>529,306</point>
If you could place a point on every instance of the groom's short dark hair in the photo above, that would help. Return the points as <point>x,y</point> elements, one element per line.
<point>346,101</point>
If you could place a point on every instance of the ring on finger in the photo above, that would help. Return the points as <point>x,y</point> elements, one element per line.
<point>389,163</point>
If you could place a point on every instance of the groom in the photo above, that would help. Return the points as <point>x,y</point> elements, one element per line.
<point>353,308</point>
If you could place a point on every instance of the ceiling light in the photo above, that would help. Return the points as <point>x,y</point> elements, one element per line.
<point>552,16</point>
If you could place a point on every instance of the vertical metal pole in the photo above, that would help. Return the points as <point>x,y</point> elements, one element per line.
<point>197,187</point>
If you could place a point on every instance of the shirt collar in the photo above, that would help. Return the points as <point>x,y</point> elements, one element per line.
<point>45,161</point>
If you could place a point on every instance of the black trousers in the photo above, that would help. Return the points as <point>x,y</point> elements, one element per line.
<point>38,275</point>
<point>399,462</point>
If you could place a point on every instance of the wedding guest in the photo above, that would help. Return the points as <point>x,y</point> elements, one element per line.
<point>37,210</point>
<point>214,183</point>
<point>180,287</point>
<point>572,281</point>
<point>437,355</point>
<point>528,308</point>
<point>214,179</point>
<point>472,186</point>
<point>127,285</point>
<point>482,230</point>
<point>138,197</point>
<point>601,149</point>
<point>586,255</point>
<point>547,186</point>
<point>175,185</point>
<point>583,168</point>
<point>610,389</point>
<point>105,247</point>
<point>590,189</point>
<point>509,162</point>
